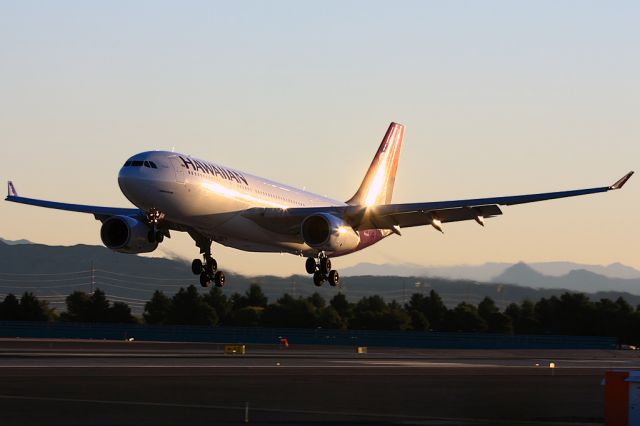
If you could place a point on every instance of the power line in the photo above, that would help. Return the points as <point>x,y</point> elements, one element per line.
<point>51,273</point>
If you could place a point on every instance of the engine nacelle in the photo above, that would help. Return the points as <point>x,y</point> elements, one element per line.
<point>323,231</point>
<point>126,235</point>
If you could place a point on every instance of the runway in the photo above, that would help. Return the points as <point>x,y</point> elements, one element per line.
<point>135,383</point>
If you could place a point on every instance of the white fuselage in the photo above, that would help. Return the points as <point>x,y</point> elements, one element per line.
<point>211,199</point>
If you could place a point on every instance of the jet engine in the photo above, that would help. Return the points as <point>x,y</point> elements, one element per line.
<point>126,235</point>
<point>323,231</point>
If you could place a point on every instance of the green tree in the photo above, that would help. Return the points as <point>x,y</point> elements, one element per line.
<point>316,300</point>
<point>10,308</point>
<point>486,308</point>
<point>435,311</point>
<point>220,304</point>
<point>290,312</point>
<point>465,317</point>
<point>417,308</point>
<point>32,309</point>
<point>120,312</point>
<point>372,313</point>
<point>78,305</point>
<point>342,306</point>
<point>158,309</point>
<point>188,307</point>
<point>98,309</point>
<point>249,316</point>
<point>329,318</point>
<point>252,297</point>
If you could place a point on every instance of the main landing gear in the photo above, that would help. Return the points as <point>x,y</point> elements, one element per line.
<point>321,270</point>
<point>208,270</point>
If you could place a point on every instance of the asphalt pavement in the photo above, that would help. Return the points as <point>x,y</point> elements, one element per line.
<point>57,382</point>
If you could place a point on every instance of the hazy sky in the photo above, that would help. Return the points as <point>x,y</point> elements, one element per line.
<point>499,98</point>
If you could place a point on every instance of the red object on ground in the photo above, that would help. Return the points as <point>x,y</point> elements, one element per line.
<point>285,342</point>
<point>616,398</point>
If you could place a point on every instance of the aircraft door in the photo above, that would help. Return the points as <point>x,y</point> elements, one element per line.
<point>178,167</point>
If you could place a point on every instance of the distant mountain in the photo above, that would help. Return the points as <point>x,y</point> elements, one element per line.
<point>482,272</point>
<point>487,271</point>
<point>576,280</point>
<point>14,242</point>
<point>53,272</point>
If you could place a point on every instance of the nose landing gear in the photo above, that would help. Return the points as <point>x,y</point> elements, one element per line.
<point>321,270</point>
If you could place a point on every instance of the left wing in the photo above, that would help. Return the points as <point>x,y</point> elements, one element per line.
<point>100,213</point>
<point>396,216</point>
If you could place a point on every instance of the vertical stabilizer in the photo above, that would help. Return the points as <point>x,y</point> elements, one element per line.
<point>377,186</point>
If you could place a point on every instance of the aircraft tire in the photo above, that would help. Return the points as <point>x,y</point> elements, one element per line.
<point>311,265</point>
<point>204,279</point>
<point>219,279</point>
<point>325,265</point>
<point>211,266</point>
<point>333,278</point>
<point>318,278</point>
<point>196,266</point>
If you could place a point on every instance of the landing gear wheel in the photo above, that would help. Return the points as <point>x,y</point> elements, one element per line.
<point>311,266</point>
<point>204,280</point>
<point>325,265</point>
<point>334,278</point>
<point>211,266</point>
<point>159,237</point>
<point>318,278</point>
<point>196,266</point>
<point>219,279</point>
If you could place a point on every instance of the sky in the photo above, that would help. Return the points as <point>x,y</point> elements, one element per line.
<point>498,98</point>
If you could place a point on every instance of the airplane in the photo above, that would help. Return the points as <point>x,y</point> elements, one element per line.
<point>214,203</point>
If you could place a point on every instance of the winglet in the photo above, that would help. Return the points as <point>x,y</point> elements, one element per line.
<point>11,190</point>
<point>620,183</point>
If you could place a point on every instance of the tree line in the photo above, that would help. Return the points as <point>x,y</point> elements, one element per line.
<point>568,314</point>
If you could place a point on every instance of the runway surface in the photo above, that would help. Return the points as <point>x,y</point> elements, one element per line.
<point>134,383</point>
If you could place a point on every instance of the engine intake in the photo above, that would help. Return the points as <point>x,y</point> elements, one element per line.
<point>126,235</point>
<point>323,231</point>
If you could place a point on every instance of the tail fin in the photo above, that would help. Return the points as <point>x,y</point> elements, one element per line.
<point>377,186</point>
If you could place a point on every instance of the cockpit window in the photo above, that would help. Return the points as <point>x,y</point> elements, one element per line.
<point>140,163</point>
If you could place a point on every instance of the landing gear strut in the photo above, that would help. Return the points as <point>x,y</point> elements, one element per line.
<point>156,234</point>
<point>207,269</point>
<point>321,270</point>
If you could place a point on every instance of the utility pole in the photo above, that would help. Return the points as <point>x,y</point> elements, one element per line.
<point>404,292</point>
<point>93,277</point>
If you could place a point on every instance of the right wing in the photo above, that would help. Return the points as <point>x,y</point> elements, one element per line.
<point>396,216</point>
